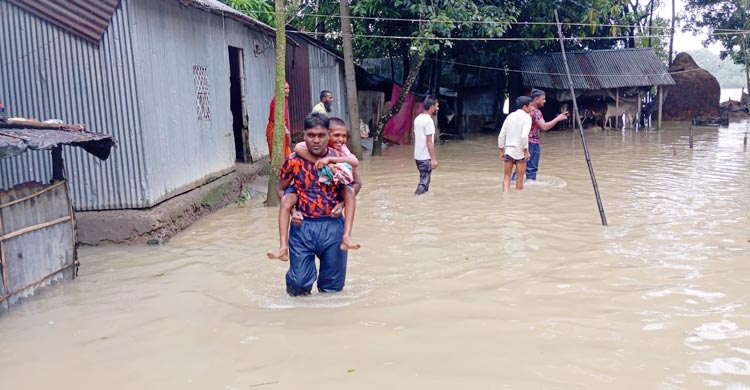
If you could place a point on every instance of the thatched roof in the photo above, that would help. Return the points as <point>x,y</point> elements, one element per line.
<point>596,69</point>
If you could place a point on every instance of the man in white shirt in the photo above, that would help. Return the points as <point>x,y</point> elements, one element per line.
<point>424,144</point>
<point>513,142</point>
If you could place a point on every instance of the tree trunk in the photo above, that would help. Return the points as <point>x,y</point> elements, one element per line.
<point>671,36</point>
<point>650,22</point>
<point>277,152</point>
<point>747,68</point>
<point>405,61</point>
<point>395,107</point>
<point>355,141</point>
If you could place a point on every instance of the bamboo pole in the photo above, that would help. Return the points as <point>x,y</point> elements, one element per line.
<point>580,127</point>
<point>19,200</point>
<point>34,228</point>
<point>3,261</point>
<point>42,280</point>
<point>73,227</point>
<point>660,103</point>
<point>617,108</point>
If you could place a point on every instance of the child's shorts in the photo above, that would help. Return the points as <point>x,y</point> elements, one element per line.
<point>290,190</point>
<point>513,160</point>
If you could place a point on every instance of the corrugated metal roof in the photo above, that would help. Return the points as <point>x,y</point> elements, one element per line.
<point>217,7</point>
<point>599,69</point>
<point>97,144</point>
<point>87,19</point>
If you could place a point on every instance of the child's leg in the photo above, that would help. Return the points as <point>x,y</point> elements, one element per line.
<point>287,203</point>
<point>349,205</point>
<point>508,165</point>
<point>521,168</point>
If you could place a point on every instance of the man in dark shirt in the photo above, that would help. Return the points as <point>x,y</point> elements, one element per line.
<point>320,233</point>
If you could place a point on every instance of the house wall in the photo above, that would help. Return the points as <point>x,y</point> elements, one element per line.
<point>327,73</point>
<point>48,73</point>
<point>182,150</point>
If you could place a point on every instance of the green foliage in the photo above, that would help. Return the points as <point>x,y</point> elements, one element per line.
<point>261,10</point>
<point>727,22</point>
<point>244,196</point>
<point>659,39</point>
<point>436,19</point>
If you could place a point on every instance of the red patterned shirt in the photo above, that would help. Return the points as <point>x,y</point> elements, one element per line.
<point>536,116</point>
<point>315,199</point>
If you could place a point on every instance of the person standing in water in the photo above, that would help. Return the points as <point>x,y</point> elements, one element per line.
<point>513,142</point>
<point>424,144</point>
<point>319,233</point>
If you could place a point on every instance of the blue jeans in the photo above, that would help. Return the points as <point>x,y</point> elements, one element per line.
<point>532,165</point>
<point>319,237</point>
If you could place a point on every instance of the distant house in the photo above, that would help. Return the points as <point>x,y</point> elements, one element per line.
<point>183,86</point>
<point>599,77</point>
<point>313,66</point>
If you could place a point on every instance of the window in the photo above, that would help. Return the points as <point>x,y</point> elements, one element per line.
<point>202,100</point>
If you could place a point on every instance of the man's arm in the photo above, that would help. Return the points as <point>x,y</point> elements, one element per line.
<point>431,150</point>
<point>285,179</point>
<point>544,126</point>
<point>282,185</point>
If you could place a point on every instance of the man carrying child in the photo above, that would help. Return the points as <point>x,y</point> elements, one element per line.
<point>320,232</point>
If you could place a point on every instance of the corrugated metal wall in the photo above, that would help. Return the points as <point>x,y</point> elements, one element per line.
<point>36,258</point>
<point>181,150</point>
<point>298,74</point>
<point>46,73</point>
<point>327,73</point>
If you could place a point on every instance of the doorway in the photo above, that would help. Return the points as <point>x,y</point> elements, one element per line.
<point>237,105</point>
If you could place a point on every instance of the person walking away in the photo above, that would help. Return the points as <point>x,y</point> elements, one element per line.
<point>513,142</point>
<point>325,105</point>
<point>538,99</point>
<point>318,233</point>
<point>424,144</point>
<point>269,127</point>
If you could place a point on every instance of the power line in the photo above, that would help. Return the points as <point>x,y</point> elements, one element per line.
<point>516,39</point>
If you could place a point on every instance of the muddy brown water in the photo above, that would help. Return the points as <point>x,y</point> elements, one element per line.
<point>464,288</point>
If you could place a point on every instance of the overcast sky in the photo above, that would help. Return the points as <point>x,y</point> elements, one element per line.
<point>683,41</point>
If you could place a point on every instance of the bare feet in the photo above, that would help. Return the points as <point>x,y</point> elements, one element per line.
<point>281,254</point>
<point>347,244</point>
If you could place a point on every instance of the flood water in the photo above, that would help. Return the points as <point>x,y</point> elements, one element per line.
<point>464,288</point>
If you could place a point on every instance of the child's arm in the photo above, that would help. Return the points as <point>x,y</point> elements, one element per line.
<point>301,150</point>
<point>525,138</point>
<point>335,160</point>
<point>501,139</point>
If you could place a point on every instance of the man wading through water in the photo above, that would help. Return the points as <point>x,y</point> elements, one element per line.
<point>424,144</point>
<point>316,233</point>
